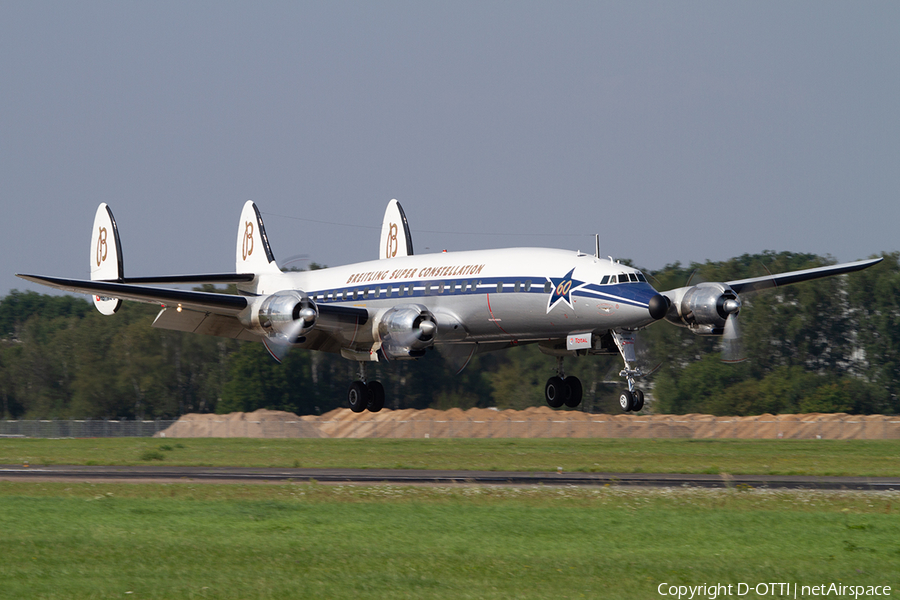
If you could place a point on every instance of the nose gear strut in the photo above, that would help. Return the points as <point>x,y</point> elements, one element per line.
<point>631,399</point>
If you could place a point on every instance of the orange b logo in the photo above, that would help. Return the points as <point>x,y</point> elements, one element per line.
<point>247,247</point>
<point>391,249</point>
<point>102,248</point>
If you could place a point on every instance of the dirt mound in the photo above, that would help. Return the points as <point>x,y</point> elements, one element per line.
<point>530,423</point>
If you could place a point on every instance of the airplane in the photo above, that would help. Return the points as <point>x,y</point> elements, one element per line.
<point>402,304</point>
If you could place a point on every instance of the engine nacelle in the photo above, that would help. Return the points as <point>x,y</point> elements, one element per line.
<point>406,331</point>
<point>704,307</point>
<point>287,315</point>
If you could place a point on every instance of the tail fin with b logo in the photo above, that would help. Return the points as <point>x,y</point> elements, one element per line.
<point>395,237</point>
<point>106,256</point>
<point>254,255</point>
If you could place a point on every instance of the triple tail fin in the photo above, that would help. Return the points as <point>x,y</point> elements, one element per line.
<point>254,255</point>
<point>106,257</point>
<point>395,237</point>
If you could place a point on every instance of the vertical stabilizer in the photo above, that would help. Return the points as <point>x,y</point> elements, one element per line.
<point>254,255</point>
<point>395,237</point>
<point>106,256</point>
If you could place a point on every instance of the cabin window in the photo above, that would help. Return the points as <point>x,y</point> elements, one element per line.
<point>499,286</point>
<point>441,288</point>
<point>517,286</point>
<point>547,287</point>
<point>527,285</point>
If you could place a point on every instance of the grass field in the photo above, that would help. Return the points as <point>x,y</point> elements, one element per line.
<point>775,457</point>
<point>316,541</point>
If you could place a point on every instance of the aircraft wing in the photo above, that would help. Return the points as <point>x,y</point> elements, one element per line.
<point>768,281</point>
<point>223,304</point>
<point>206,312</point>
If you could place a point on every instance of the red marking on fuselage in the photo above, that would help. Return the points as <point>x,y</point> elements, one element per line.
<point>494,319</point>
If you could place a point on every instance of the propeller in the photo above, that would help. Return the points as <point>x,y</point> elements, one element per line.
<point>732,348</point>
<point>279,344</point>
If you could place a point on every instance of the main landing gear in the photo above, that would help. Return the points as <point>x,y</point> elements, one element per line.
<point>365,395</point>
<point>563,390</point>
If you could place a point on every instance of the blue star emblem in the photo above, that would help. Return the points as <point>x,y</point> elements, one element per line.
<point>562,290</point>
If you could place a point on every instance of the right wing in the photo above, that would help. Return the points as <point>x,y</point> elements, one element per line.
<point>760,283</point>
<point>213,313</point>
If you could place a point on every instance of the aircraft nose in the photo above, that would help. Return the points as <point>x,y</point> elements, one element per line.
<point>658,306</point>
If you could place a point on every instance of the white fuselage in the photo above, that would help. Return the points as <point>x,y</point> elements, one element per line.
<point>515,294</point>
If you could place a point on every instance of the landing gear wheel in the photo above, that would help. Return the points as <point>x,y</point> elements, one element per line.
<point>555,392</point>
<point>376,396</point>
<point>626,400</point>
<point>638,400</point>
<point>574,391</point>
<point>358,395</point>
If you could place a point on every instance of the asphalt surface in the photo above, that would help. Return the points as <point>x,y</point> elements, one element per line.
<point>140,474</point>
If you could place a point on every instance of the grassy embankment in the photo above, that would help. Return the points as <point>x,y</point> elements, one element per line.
<point>776,457</point>
<point>313,541</point>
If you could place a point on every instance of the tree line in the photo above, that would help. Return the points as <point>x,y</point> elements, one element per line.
<point>831,345</point>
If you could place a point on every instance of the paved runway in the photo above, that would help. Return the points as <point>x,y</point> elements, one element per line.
<point>140,474</point>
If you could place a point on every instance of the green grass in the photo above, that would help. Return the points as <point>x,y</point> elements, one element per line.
<point>315,541</point>
<point>776,457</point>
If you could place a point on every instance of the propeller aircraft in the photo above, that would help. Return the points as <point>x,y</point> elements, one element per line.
<point>402,305</point>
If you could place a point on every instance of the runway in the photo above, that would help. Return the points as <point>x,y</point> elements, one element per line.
<point>166,474</point>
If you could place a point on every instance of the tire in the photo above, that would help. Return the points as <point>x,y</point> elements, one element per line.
<point>358,396</point>
<point>574,391</point>
<point>376,396</point>
<point>626,400</point>
<point>555,392</point>
<point>638,400</point>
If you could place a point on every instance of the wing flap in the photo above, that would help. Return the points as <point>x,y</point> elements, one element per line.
<point>204,323</point>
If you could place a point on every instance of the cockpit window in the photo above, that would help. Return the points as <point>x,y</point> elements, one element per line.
<point>605,280</point>
<point>641,278</point>
<point>623,278</point>
<point>633,277</point>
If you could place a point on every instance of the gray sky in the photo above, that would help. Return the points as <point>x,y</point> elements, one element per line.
<point>679,131</point>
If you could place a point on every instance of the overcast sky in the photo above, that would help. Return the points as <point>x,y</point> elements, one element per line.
<point>678,131</point>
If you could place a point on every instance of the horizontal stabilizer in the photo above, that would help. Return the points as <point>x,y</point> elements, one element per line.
<point>213,278</point>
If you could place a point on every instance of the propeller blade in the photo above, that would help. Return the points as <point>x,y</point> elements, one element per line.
<point>280,344</point>
<point>732,349</point>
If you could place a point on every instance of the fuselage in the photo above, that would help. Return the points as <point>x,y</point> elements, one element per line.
<point>514,294</point>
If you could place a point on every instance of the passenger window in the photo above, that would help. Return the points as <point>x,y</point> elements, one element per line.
<point>499,286</point>
<point>527,285</point>
<point>547,287</point>
<point>516,288</point>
